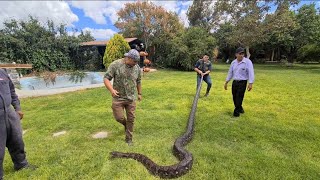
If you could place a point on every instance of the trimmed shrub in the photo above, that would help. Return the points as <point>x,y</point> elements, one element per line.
<point>115,49</point>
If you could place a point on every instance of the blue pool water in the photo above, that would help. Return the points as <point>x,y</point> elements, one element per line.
<point>37,83</point>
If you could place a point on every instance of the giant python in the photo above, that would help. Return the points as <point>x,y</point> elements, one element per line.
<point>185,157</point>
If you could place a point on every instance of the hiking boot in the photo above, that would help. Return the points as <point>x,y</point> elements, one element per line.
<point>129,142</point>
<point>241,111</point>
<point>28,166</point>
<point>206,95</point>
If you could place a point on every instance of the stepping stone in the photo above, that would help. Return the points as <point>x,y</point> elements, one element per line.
<point>100,135</point>
<point>59,133</point>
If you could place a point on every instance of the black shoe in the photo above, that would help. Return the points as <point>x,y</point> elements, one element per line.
<point>236,114</point>
<point>206,95</point>
<point>241,111</point>
<point>28,166</point>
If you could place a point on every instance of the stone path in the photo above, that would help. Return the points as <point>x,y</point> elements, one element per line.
<point>59,133</point>
<point>100,135</point>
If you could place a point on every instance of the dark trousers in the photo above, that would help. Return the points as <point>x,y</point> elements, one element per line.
<point>11,137</point>
<point>118,108</point>
<point>207,79</point>
<point>238,90</point>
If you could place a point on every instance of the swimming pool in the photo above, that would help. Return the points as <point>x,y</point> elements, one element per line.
<point>38,83</point>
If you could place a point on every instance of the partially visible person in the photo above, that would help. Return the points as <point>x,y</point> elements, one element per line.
<point>10,125</point>
<point>203,67</point>
<point>126,75</point>
<point>241,71</point>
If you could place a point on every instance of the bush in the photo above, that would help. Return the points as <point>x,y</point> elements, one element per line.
<point>188,47</point>
<point>309,52</point>
<point>115,49</point>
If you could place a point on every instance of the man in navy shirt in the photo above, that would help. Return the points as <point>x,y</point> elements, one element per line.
<point>241,71</point>
<point>10,127</point>
<point>203,67</point>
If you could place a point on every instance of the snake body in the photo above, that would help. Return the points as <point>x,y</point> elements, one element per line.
<point>185,158</point>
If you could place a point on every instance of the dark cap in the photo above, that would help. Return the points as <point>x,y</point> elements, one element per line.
<point>240,50</point>
<point>133,54</point>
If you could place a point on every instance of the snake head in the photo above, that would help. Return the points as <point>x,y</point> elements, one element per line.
<point>112,155</point>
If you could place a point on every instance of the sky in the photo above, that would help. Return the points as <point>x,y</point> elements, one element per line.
<point>98,17</point>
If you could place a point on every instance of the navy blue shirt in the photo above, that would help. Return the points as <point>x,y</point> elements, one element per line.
<point>7,92</point>
<point>203,66</point>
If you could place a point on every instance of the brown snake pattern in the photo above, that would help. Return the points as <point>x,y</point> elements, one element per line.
<point>185,157</point>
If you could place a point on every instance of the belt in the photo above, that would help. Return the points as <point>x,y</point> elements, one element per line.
<point>240,80</point>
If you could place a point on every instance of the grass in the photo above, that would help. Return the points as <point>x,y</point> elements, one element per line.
<point>277,137</point>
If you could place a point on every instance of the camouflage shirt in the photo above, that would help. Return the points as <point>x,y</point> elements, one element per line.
<point>125,79</point>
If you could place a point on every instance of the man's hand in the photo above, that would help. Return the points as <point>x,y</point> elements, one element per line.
<point>225,86</point>
<point>207,72</point>
<point>20,113</point>
<point>139,97</point>
<point>114,93</point>
<point>249,86</point>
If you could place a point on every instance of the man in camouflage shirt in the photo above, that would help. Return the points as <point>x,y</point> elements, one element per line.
<point>203,67</point>
<point>126,75</point>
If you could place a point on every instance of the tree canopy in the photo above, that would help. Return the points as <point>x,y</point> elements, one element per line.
<point>146,21</point>
<point>47,47</point>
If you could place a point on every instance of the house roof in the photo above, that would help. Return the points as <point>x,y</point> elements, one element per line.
<point>103,43</point>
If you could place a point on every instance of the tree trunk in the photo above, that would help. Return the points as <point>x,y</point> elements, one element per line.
<point>272,55</point>
<point>230,55</point>
<point>248,52</point>
<point>290,57</point>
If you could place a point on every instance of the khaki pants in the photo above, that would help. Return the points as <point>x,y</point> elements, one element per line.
<point>118,108</point>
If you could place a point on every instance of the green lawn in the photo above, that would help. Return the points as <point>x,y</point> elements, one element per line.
<point>277,138</point>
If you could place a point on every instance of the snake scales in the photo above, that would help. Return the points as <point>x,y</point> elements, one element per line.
<point>185,157</point>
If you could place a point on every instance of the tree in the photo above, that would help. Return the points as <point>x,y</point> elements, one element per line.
<point>224,44</point>
<point>85,36</point>
<point>309,30</point>
<point>47,47</point>
<point>280,28</point>
<point>246,17</point>
<point>146,21</point>
<point>116,47</point>
<point>187,47</point>
<point>200,14</point>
